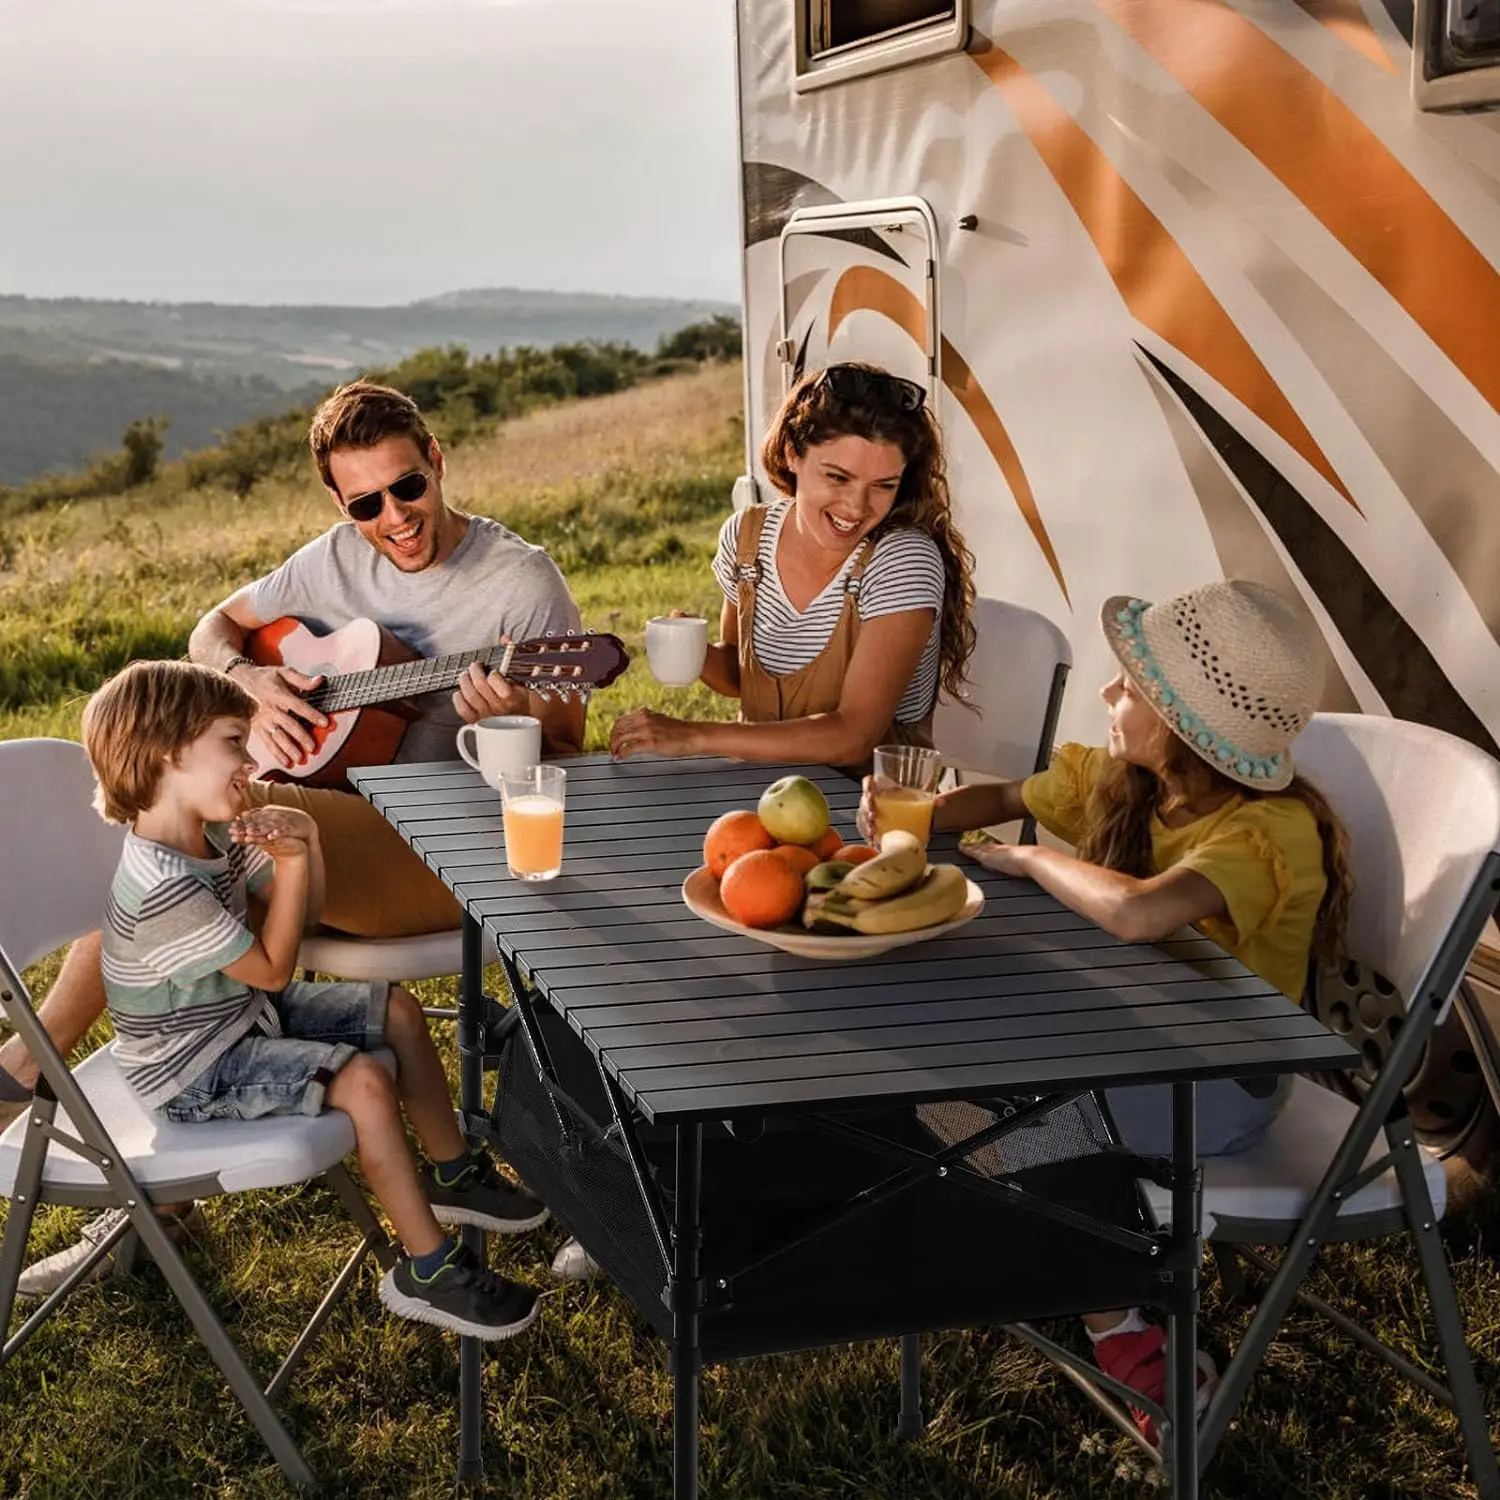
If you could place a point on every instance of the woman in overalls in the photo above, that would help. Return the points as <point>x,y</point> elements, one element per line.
<point>847,603</point>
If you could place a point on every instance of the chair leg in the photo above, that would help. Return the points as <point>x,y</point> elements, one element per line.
<point>220,1346</point>
<point>1269,1315</point>
<point>1230,1266</point>
<point>1468,1405</point>
<point>23,1200</point>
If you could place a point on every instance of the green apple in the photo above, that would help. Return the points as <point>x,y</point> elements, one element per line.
<point>794,811</point>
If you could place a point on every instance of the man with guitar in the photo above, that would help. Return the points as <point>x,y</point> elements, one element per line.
<point>439,583</point>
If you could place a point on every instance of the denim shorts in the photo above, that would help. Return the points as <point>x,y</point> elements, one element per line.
<point>323,1026</point>
<point>1231,1117</point>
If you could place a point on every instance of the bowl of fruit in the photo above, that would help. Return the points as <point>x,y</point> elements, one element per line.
<point>782,875</point>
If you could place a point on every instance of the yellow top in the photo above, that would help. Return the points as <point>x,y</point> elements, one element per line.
<point>1262,854</point>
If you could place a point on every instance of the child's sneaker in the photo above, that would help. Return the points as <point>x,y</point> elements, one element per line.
<point>1136,1356</point>
<point>461,1296</point>
<point>484,1196</point>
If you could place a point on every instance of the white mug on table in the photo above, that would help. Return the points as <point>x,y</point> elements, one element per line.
<point>676,647</point>
<point>500,745</point>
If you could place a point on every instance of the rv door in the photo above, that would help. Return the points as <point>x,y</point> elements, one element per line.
<point>859,281</point>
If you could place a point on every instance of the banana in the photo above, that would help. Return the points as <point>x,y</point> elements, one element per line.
<point>900,864</point>
<point>937,897</point>
<point>812,917</point>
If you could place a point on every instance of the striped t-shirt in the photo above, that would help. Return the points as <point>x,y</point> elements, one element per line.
<point>173,924</point>
<point>905,572</point>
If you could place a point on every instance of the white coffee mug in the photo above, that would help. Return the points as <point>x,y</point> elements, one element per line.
<point>502,744</point>
<point>676,647</point>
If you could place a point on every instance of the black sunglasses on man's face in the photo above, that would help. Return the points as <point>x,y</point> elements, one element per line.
<point>408,489</point>
<point>855,383</point>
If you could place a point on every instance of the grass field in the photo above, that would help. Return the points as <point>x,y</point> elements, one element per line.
<point>115,1399</point>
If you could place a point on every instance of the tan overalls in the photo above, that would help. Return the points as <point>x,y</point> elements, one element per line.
<point>817,687</point>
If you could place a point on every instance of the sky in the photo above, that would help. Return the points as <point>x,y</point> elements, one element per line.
<point>366,151</point>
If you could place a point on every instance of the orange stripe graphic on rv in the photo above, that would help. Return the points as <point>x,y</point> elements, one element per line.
<point>1152,272</point>
<point>1347,21</point>
<point>863,288</point>
<point>1375,208</point>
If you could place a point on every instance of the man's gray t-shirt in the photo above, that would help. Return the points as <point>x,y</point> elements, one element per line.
<point>494,584</point>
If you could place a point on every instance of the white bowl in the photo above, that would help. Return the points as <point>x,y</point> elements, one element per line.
<point>701,893</point>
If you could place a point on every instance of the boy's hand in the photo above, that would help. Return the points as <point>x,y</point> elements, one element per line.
<point>283,832</point>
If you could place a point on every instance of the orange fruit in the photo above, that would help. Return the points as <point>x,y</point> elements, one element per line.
<point>855,854</point>
<point>825,846</point>
<point>731,835</point>
<point>800,858</point>
<point>761,889</point>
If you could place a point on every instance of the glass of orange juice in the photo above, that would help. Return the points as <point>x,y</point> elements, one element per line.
<point>905,787</point>
<point>531,801</point>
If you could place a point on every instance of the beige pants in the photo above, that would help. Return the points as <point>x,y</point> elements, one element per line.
<point>376,886</point>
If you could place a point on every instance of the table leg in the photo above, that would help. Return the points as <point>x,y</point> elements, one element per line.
<point>909,1420</point>
<point>1182,1327</point>
<point>471,1100</point>
<point>687,1299</point>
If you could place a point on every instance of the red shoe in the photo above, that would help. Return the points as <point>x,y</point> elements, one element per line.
<point>1139,1359</point>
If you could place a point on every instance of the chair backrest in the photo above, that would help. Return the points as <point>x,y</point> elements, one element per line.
<point>1012,675</point>
<point>1422,810</point>
<point>57,855</point>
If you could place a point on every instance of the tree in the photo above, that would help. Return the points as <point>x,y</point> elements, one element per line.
<point>142,442</point>
<point>718,338</point>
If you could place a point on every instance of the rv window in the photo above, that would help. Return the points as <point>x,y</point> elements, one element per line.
<point>843,23</point>
<point>1473,32</point>
<point>843,39</point>
<point>1457,46</point>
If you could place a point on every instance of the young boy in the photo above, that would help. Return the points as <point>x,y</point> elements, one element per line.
<point>211,1025</point>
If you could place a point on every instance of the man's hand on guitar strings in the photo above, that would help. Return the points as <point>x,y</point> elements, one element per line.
<point>481,695</point>
<point>284,714</point>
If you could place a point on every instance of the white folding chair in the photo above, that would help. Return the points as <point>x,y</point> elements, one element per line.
<point>426,955</point>
<point>86,1141</point>
<point>1017,675</point>
<point>1422,810</point>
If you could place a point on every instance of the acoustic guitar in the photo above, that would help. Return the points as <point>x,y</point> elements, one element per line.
<point>369,678</point>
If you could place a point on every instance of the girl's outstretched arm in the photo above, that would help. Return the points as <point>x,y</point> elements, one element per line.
<point>1130,908</point>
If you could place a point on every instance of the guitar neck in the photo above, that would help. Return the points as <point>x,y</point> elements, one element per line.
<point>405,679</point>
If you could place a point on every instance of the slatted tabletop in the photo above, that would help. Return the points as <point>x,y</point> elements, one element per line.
<point>697,1023</point>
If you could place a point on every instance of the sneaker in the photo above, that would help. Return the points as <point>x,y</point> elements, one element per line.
<point>485,1197</point>
<point>1138,1359</point>
<point>463,1297</point>
<point>573,1263</point>
<point>44,1278</point>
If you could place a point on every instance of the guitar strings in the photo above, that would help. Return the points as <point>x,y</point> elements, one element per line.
<point>410,678</point>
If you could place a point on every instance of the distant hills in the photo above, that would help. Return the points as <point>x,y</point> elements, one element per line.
<point>75,371</point>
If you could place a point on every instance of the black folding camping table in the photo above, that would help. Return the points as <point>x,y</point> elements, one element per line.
<point>769,1153</point>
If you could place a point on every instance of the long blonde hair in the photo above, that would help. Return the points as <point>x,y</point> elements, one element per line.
<point>814,413</point>
<point>1118,828</point>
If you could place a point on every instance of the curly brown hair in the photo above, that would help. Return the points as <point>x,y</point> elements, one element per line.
<point>1123,800</point>
<point>814,413</point>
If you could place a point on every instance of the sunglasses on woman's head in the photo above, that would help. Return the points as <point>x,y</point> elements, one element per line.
<point>408,489</point>
<point>854,383</point>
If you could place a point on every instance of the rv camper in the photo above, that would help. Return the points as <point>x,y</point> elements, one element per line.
<point>1197,288</point>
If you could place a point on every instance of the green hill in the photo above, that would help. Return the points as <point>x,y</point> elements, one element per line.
<point>74,371</point>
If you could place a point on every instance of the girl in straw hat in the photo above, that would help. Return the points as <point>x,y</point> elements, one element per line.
<point>1191,813</point>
